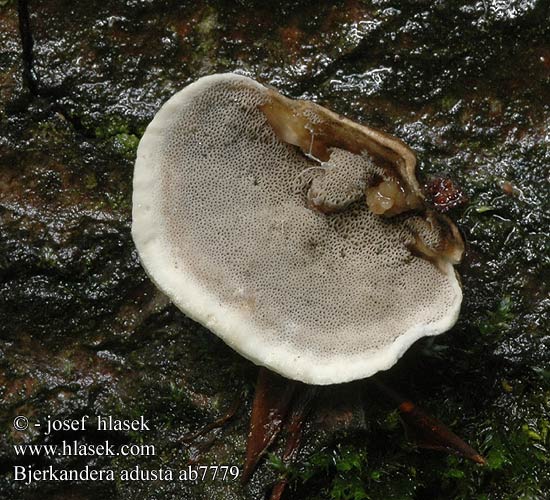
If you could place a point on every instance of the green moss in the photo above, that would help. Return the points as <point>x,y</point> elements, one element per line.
<point>496,455</point>
<point>497,321</point>
<point>448,102</point>
<point>209,22</point>
<point>119,134</point>
<point>391,421</point>
<point>481,209</point>
<point>119,201</point>
<point>90,180</point>
<point>126,143</point>
<point>111,127</point>
<point>344,472</point>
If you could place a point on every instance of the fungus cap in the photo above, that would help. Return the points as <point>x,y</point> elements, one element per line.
<point>300,238</point>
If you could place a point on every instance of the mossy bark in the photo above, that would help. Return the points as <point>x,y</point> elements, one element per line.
<point>84,332</point>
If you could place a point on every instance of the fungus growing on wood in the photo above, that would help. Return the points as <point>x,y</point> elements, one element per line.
<point>299,237</point>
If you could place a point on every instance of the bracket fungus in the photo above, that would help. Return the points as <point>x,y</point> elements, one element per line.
<point>299,237</point>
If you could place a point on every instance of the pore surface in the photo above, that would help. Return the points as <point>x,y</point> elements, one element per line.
<point>223,226</point>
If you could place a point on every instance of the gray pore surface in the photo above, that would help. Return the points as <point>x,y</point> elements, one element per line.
<point>222,227</point>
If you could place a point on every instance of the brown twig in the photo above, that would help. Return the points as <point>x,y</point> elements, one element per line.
<point>269,409</point>
<point>427,431</point>
<point>216,424</point>
<point>300,410</point>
